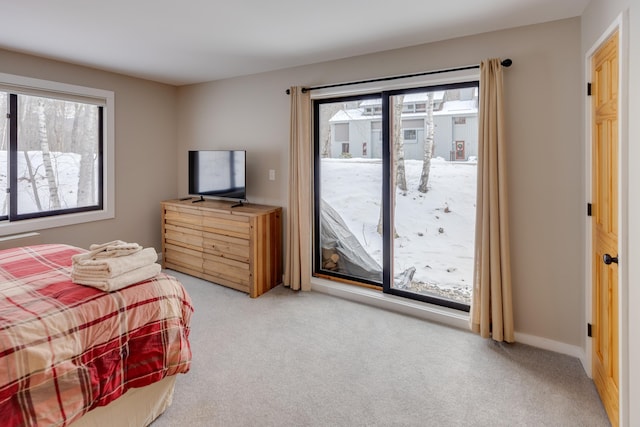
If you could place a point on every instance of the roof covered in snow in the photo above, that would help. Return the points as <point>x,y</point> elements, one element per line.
<point>449,108</point>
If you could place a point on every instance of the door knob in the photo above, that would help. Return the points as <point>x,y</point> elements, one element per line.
<point>608,259</point>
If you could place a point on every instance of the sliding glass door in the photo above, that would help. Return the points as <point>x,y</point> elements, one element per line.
<point>395,185</point>
<point>349,177</point>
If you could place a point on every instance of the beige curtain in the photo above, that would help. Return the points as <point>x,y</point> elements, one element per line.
<point>491,306</point>
<point>297,272</point>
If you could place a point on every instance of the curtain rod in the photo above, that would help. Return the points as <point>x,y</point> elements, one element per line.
<point>505,63</point>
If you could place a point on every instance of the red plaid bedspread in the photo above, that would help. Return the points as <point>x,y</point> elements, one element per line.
<point>67,348</point>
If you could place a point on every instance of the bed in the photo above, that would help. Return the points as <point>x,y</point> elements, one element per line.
<point>76,355</point>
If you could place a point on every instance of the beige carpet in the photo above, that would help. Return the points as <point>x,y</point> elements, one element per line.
<point>309,359</point>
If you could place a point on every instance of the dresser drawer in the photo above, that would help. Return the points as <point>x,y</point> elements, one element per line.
<point>226,246</point>
<point>183,236</point>
<point>227,225</point>
<point>226,268</point>
<point>189,218</point>
<point>179,255</point>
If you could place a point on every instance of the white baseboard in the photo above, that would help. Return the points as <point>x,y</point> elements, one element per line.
<point>443,315</point>
<point>375,298</point>
<point>555,346</point>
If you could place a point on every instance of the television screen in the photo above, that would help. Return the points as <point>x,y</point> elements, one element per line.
<point>219,173</point>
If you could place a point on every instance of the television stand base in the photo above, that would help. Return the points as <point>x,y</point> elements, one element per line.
<point>237,204</point>
<point>201,199</point>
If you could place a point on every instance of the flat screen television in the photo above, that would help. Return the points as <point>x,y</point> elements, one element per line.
<point>218,173</point>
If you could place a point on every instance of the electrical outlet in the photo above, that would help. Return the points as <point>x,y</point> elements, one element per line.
<point>272,174</point>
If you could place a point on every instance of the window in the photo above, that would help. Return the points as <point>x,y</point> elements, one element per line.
<point>415,241</point>
<point>410,135</point>
<point>55,155</point>
<point>459,120</point>
<point>341,131</point>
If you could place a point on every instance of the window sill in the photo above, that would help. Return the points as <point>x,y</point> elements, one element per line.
<point>444,315</point>
<point>37,224</point>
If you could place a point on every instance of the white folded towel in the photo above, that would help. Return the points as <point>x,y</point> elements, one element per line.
<point>112,267</point>
<point>113,249</point>
<point>121,281</point>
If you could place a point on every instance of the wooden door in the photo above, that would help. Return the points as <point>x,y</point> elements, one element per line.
<point>604,108</point>
<point>460,154</point>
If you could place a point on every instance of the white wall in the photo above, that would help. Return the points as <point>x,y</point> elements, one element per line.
<point>544,154</point>
<point>597,17</point>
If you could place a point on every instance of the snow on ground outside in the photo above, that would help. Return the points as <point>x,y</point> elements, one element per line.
<point>66,167</point>
<point>435,230</point>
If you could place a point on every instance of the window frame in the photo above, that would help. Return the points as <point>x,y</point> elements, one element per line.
<point>385,90</point>
<point>13,84</point>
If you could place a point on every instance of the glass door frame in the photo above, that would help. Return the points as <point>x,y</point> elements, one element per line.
<point>386,196</point>
<point>317,250</point>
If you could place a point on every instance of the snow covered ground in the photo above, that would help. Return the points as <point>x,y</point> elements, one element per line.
<point>435,231</point>
<point>65,166</point>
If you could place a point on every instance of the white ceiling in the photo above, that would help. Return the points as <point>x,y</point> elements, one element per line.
<point>191,41</point>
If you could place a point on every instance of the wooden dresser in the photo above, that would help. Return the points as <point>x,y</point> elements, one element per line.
<point>239,247</point>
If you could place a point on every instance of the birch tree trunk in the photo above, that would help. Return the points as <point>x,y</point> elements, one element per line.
<point>398,144</point>
<point>84,142</point>
<point>398,177</point>
<point>54,201</point>
<point>32,180</point>
<point>4,123</point>
<point>428,147</point>
<point>327,111</point>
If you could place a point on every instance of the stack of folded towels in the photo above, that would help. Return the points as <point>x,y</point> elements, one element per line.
<point>114,265</point>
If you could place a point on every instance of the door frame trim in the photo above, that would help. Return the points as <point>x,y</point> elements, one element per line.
<point>620,24</point>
